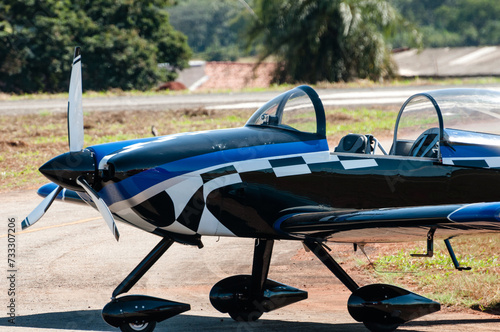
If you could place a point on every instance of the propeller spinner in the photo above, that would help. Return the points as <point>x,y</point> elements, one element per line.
<point>76,169</point>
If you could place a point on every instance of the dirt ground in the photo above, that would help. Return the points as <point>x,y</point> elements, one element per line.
<point>68,264</point>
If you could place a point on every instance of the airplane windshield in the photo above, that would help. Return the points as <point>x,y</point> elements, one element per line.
<point>469,109</point>
<point>464,109</point>
<point>299,110</point>
<point>298,113</point>
<point>418,116</point>
<point>424,117</point>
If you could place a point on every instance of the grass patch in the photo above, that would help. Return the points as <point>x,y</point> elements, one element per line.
<point>436,277</point>
<point>379,122</point>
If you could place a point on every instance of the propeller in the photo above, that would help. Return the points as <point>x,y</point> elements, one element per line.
<point>40,210</point>
<point>101,206</point>
<point>75,110</point>
<point>76,169</point>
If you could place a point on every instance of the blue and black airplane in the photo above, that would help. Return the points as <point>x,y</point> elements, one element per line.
<point>277,179</point>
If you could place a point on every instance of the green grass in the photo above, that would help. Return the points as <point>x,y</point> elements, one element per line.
<point>437,278</point>
<point>366,121</point>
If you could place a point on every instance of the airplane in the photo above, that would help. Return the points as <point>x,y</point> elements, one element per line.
<point>277,179</point>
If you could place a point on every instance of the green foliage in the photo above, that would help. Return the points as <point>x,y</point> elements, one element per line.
<point>436,277</point>
<point>213,28</point>
<point>454,22</point>
<point>122,43</point>
<point>324,40</point>
<point>219,53</point>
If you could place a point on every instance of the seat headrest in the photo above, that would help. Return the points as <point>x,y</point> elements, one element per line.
<point>354,143</point>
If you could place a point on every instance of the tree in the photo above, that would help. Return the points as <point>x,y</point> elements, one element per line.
<point>332,40</point>
<point>213,28</point>
<point>454,22</point>
<point>122,43</point>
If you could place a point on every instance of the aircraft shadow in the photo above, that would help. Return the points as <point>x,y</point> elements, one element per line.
<point>90,320</point>
<point>437,323</point>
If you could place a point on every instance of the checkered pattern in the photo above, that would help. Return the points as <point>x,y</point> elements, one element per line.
<point>188,193</point>
<point>226,175</point>
<point>482,162</point>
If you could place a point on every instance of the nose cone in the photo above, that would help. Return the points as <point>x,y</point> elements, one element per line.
<point>66,168</point>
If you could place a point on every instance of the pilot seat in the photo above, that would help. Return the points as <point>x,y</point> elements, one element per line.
<point>357,143</point>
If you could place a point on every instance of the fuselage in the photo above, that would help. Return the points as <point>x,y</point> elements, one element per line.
<point>239,182</point>
<point>246,181</point>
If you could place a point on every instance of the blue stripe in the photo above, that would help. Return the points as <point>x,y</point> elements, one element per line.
<point>469,151</point>
<point>477,212</point>
<point>134,185</point>
<point>277,223</point>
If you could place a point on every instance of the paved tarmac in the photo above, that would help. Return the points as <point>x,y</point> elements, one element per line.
<point>68,264</point>
<point>344,97</point>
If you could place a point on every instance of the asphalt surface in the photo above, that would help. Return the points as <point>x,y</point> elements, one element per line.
<point>252,100</point>
<point>68,264</point>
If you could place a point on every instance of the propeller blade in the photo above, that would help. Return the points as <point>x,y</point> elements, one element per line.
<point>40,210</point>
<point>101,206</point>
<point>75,110</point>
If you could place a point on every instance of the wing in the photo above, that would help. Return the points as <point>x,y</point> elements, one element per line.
<point>393,224</point>
<point>64,195</point>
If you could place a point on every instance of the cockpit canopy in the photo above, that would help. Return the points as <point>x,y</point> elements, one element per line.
<point>438,124</point>
<point>454,126</point>
<point>299,109</point>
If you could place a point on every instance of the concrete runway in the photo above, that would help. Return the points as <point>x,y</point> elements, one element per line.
<point>68,264</point>
<point>338,97</point>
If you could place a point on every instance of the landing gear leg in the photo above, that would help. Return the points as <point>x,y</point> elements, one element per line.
<point>251,310</point>
<point>247,297</point>
<point>263,250</point>
<point>143,267</point>
<point>331,264</point>
<point>139,312</point>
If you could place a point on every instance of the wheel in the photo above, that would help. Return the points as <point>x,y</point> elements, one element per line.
<point>142,327</point>
<point>245,315</point>
<point>379,327</point>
